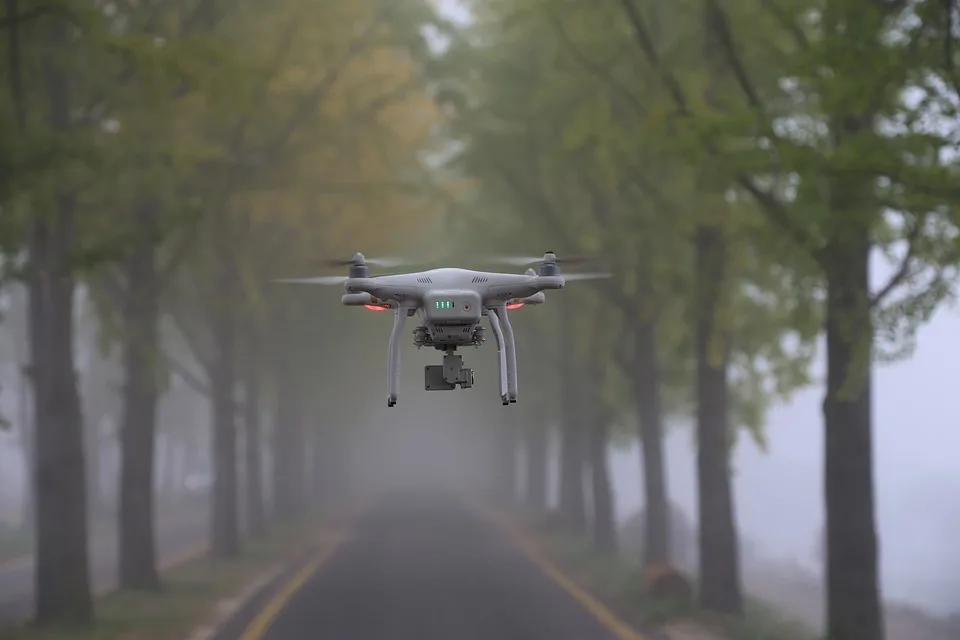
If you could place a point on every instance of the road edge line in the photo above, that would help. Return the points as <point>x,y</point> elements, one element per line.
<point>260,624</point>
<point>227,610</point>
<point>603,614</point>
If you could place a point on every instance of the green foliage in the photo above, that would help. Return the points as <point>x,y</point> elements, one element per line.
<point>572,141</point>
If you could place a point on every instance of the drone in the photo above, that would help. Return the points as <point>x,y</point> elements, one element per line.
<point>450,304</point>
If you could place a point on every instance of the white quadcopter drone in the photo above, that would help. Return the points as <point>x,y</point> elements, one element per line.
<point>450,304</point>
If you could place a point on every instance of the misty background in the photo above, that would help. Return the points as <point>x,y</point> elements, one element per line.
<point>778,490</point>
<point>444,439</point>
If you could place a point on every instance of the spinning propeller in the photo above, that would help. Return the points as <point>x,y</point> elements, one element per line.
<point>549,265</point>
<point>548,257</point>
<point>359,260</point>
<point>358,269</point>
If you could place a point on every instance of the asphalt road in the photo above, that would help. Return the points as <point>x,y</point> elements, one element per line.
<point>178,534</point>
<point>426,569</point>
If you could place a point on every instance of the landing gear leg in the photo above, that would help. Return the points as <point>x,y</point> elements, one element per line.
<point>501,353</point>
<point>511,349</point>
<point>393,356</point>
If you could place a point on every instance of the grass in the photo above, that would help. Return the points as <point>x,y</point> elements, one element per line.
<point>190,595</point>
<point>621,586</point>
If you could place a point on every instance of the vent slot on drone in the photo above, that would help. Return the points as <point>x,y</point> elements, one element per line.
<point>425,280</point>
<point>479,279</point>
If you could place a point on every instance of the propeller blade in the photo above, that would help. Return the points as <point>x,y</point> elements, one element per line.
<point>516,261</point>
<point>525,261</point>
<point>391,262</point>
<point>387,262</point>
<point>328,280</point>
<point>586,276</point>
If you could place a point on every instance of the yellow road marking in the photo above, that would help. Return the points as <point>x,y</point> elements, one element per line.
<point>259,626</point>
<point>609,620</point>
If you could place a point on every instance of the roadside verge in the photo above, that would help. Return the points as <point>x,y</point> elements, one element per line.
<point>658,604</point>
<point>202,594</point>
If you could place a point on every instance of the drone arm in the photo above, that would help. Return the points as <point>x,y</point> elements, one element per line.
<point>511,352</point>
<point>501,354</point>
<point>393,355</point>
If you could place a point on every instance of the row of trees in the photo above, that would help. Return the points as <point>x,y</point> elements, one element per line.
<point>168,159</point>
<point>742,164</point>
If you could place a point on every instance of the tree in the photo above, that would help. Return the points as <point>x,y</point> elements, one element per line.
<point>601,145</point>
<point>62,566</point>
<point>847,176</point>
<point>566,159</point>
<point>355,123</point>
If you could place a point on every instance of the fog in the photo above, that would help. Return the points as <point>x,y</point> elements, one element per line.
<point>442,440</point>
<point>437,439</point>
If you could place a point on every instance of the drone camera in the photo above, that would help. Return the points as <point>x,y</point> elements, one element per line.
<point>447,376</point>
<point>434,378</point>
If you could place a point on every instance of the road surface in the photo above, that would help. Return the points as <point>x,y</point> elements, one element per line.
<point>424,569</point>
<point>179,534</point>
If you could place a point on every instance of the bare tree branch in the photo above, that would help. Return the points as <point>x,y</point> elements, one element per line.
<point>642,35</point>
<point>905,270</point>
<point>178,320</point>
<point>719,24</point>
<point>193,380</point>
<point>548,215</point>
<point>180,253</point>
<point>772,206</point>
<point>309,103</point>
<point>787,22</point>
<point>599,70</point>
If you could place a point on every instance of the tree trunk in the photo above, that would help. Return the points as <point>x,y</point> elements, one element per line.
<point>535,448</point>
<point>604,520</point>
<point>225,530</point>
<point>853,598</point>
<point>25,439</point>
<point>720,588</point>
<point>253,441</point>
<point>506,455</point>
<point>572,499</point>
<point>138,428</point>
<point>288,451</point>
<point>91,452</point>
<point>170,470</point>
<point>572,458</point>
<point>62,570</point>
<point>647,389</point>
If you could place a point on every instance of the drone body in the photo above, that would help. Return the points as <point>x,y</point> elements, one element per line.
<point>450,304</point>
